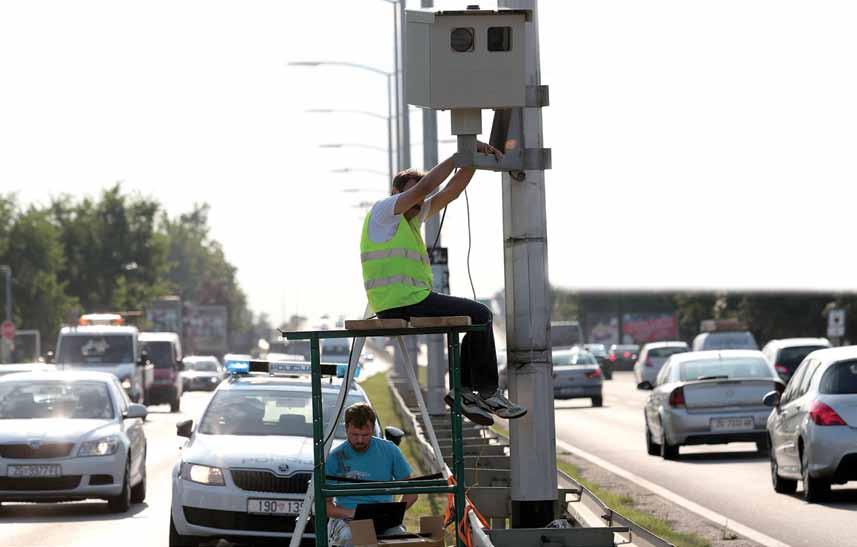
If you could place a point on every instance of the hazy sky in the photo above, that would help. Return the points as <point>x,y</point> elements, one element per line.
<point>695,144</point>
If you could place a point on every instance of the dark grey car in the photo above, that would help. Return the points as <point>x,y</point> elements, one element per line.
<point>577,375</point>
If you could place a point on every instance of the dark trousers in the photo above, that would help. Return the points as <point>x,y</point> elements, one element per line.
<point>478,354</point>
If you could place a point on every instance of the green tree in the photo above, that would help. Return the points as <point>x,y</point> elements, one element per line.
<point>198,271</point>
<point>115,254</point>
<point>30,244</point>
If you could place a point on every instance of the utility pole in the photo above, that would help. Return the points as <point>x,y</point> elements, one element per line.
<point>436,360</point>
<point>533,437</point>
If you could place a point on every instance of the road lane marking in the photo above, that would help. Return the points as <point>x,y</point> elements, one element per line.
<point>704,512</point>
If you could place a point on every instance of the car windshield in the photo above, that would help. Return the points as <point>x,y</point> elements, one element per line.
<point>160,353</point>
<point>792,357</point>
<point>267,412</point>
<point>840,379</point>
<point>54,399</point>
<point>724,368</point>
<point>562,358</point>
<point>730,340</point>
<point>202,366</point>
<point>666,352</point>
<point>95,349</point>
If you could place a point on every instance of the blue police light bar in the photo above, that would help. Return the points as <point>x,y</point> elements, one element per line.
<point>284,368</point>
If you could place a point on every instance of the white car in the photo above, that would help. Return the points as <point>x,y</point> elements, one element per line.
<point>68,436</point>
<point>245,469</point>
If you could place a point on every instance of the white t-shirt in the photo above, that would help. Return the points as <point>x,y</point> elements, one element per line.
<point>384,222</point>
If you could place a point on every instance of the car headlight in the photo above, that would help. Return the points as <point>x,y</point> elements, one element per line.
<point>213,379</point>
<point>203,474</point>
<point>126,384</point>
<point>100,447</point>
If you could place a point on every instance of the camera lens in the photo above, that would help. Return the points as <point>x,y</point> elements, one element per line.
<point>461,39</point>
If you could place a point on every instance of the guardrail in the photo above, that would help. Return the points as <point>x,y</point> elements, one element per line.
<point>587,510</point>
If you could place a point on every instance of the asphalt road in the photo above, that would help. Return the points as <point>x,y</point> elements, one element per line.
<point>87,523</point>
<point>733,480</point>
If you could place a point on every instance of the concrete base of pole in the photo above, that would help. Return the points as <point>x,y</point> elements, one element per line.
<point>532,514</point>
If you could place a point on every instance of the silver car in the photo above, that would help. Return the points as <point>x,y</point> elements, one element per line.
<point>709,397</point>
<point>577,375</point>
<point>813,426</point>
<point>202,372</point>
<point>70,436</point>
<point>652,358</point>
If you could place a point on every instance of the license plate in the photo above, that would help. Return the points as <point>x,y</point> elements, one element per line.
<point>274,507</point>
<point>29,471</point>
<point>732,424</point>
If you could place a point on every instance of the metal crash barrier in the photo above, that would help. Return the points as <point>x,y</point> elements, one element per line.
<point>487,470</point>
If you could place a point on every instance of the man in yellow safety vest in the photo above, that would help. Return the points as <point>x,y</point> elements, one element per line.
<point>398,279</point>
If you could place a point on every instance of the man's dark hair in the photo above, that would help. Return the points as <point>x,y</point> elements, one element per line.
<point>404,177</point>
<point>359,415</point>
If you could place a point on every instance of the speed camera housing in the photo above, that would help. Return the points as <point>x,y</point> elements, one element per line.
<point>465,59</point>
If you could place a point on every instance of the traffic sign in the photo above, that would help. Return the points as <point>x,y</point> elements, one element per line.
<point>7,329</point>
<point>836,323</point>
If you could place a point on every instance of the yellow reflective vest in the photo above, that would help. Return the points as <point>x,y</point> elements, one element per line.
<point>396,273</point>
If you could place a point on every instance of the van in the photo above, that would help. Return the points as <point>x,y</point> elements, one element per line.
<point>107,348</point>
<point>164,350</point>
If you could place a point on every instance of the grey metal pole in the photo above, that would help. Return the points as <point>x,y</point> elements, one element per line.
<point>533,437</point>
<point>404,108</point>
<point>389,132</point>
<point>399,163</point>
<point>436,359</point>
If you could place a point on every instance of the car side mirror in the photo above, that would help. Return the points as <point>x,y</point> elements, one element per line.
<point>179,365</point>
<point>771,399</point>
<point>393,434</point>
<point>184,428</point>
<point>136,411</point>
<point>645,385</point>
<point>144,359</point>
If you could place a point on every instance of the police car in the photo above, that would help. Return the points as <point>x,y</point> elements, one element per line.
<point>245,469</point>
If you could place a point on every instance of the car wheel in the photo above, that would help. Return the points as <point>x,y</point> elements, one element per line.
<point>814,489</point>
<point>597,402</point>
<point>652,447</point>
<point>176,405</point>
<point>122,502</point>
<point>177,540</point>
<point>781,485</point>
<point>138,491</point>
<point>668,451</point>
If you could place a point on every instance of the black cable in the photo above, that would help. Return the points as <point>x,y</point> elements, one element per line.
<point>439,228</point>
<point>467,203</point>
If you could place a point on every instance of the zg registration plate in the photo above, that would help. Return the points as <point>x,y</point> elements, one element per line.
<point>34,471</point>
<point>743,423</point>
<point>274,507</point>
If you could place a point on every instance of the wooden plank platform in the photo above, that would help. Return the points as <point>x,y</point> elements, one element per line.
<point>446,321</point>
<point>375,324</point>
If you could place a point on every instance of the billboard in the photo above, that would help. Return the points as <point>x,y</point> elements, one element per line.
<point>206,329</point>
<point>165,315</point>
<point>637,328</point>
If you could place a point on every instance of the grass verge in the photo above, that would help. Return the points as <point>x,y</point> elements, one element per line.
<point>625,506</point>
<point>378,391</point>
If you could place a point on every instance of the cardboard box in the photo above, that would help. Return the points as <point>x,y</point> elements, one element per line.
<point>363,535</point>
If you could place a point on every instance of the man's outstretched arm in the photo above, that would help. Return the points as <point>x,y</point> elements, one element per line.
<point>459,182</point>
<point>424,187</point>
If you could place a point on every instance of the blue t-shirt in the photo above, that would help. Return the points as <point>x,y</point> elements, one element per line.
<point>382,461</point>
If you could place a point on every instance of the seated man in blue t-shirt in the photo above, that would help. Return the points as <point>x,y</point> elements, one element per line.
<point>362,457</point>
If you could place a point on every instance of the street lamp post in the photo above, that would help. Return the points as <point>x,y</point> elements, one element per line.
<point>389,76</point>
